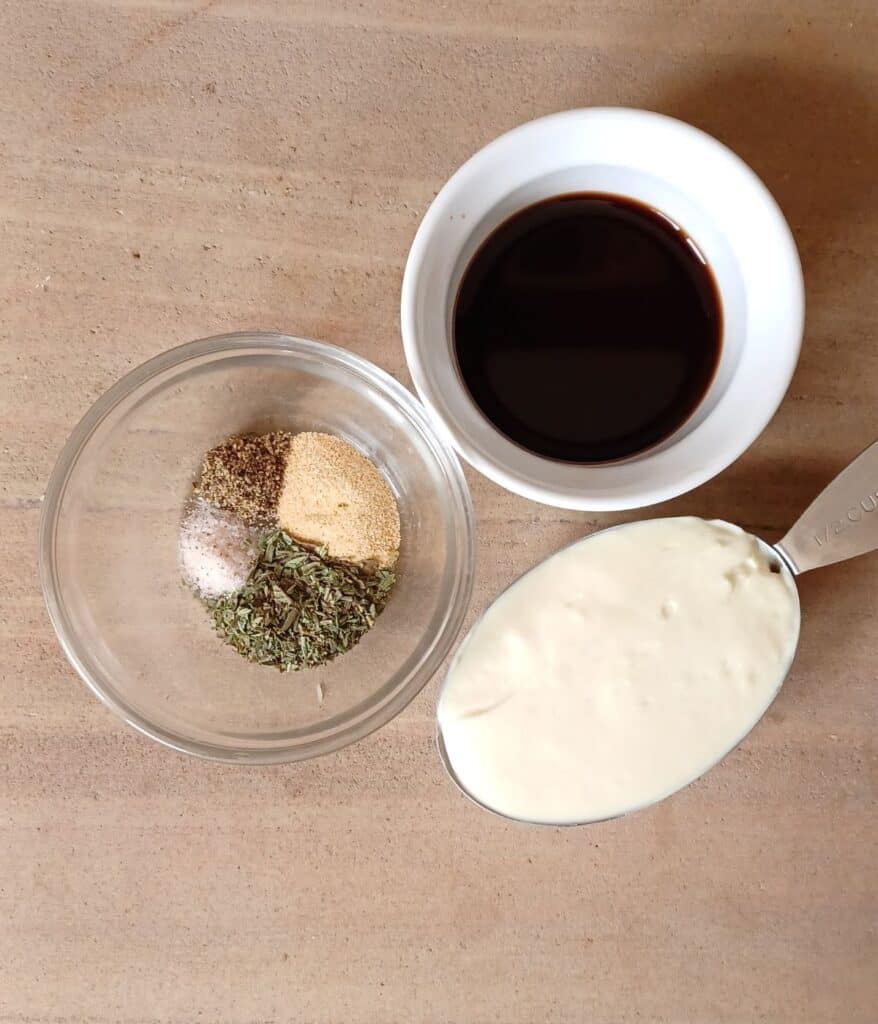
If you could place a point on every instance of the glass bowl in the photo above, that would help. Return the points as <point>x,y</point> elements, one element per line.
<point>109,559</point>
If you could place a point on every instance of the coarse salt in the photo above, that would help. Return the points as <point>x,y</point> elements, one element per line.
<point>217,551</point>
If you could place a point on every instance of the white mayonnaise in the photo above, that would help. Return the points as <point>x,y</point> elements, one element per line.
<point>618,670</point>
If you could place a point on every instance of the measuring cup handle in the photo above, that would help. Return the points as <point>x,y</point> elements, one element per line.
<point>841,522</point>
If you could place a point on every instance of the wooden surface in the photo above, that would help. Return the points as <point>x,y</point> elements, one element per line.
<point>171,169</point>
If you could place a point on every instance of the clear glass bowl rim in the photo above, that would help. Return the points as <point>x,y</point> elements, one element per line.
<point>415,413</point>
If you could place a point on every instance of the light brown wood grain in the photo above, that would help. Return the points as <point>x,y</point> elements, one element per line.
<point>269,163</point>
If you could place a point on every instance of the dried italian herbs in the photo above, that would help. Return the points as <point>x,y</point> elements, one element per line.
<point>298,608</point>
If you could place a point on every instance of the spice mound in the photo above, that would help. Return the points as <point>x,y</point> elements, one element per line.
<point>244,475</point>
<point>299,608</point>
<point>216,549</point>
<point>290,541</point>
<point>333,496</point>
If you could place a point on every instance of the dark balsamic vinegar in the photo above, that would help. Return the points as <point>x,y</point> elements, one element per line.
<point>587,327</point>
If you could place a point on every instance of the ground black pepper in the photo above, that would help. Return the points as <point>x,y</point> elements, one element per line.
<point>244,475</point>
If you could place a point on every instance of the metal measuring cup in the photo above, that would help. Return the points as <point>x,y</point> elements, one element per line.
<point>841,523</point>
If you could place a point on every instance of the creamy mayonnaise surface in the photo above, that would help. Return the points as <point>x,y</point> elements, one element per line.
<point>618,670</point>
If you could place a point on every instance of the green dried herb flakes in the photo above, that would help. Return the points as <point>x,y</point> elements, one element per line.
<point>299,609</point>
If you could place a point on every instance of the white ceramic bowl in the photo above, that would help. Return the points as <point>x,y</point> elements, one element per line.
<point>696,182</point>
